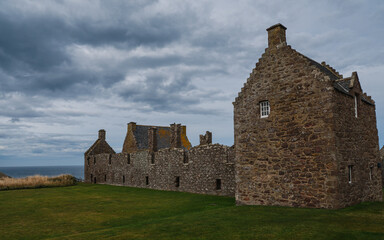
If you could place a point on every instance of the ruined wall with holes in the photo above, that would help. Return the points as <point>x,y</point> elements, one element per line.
<point>206,169</point>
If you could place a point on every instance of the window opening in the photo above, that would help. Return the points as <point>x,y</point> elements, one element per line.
<point>177,181</point>
<point>129,158</point>
<point>152,158</point>
<point>218,184</point>
<point>185,157</point>
<point>88,160</point>
<point>94,180</point>
<point>350,173</point>
<point>123,178</point>
<point>110,159</point>
<point>105,177</point>
<point>146,180</point>
<point>356,98</point>
<point>371,173</point>
<point>94,160</point>
<point>264,109</point>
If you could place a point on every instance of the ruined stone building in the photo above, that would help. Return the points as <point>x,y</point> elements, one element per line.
<point>305,136</point>
<point>163,158</point>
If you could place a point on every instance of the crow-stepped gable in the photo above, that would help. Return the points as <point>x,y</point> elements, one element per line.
<point>305,136</point>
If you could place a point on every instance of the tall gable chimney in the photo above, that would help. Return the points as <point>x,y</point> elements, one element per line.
<point>102,134</point>
<point>276,36</point>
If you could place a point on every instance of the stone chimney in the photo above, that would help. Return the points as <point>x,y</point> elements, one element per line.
<point>152,139</point>
<point>276,36</point>
<point>206,139</point>
<point>175,140</point>
<point>131,126</point>
<point>102,134</point>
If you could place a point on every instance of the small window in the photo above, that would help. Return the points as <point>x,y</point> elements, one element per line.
<point>152,158</point>
<point>264,109</point>
<point>129,158</point>
<point>94,160</point>
<point>356,102</point>
<point>177,181</point>
<point>185,157</point>
<point>105,177</point>
<point>146,180</point>
<point>94,180</point>
<point>218,184</point>
<point>350,167</point>
<point>88,160</point>
<point>123,178</point>
<point>110,159</point>
<point>371,173</point>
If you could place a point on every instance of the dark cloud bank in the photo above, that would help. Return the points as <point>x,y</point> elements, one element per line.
<point>68,68</point>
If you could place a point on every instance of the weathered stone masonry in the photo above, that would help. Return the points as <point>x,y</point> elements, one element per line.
<point>207,168</point>
<point>305,136</point>
<point>304,152</point>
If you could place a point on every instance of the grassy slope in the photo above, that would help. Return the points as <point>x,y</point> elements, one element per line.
<point>111,212</point>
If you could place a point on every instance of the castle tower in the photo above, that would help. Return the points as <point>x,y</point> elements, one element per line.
<point>298,129</point>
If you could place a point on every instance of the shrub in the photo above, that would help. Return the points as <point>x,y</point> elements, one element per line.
<point>37,181</point>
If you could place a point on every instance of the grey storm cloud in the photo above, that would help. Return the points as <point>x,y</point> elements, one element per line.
<point>69,68</point>
<point>34,54</point>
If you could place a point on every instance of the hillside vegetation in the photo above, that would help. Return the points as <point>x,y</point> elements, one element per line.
<point>36,181</point>
<point>2,175</point>
<point>88,211</point>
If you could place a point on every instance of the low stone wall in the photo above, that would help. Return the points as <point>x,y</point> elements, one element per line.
<point>206,169</point>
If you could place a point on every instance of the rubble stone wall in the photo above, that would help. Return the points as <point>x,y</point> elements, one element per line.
<point>357,146</point>
<point>206,169</point>
<point>287,158</point>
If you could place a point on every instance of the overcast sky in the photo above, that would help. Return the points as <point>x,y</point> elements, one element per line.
<point>70,68</point>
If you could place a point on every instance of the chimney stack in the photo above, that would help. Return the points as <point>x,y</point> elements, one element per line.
<point>131,126</point>
<point>175,136</point>
<point>152,139</point>
<point>102,134</point>
<point>276,36</point>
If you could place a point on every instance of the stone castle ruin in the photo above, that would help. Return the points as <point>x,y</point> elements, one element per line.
<point>305,136</point>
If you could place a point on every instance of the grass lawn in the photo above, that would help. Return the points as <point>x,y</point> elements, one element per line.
<point>93,212</point>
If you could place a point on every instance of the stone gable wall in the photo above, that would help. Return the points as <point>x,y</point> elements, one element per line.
<point>197,169</point>
<point>357,145</point>
<point>287,158</point>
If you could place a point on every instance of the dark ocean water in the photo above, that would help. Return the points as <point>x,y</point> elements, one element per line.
<point>19,172</point>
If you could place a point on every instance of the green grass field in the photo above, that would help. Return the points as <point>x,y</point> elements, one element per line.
<point>109,212</point>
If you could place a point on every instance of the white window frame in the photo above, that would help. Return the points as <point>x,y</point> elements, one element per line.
<point>350,173</point>
<point>265,109</point>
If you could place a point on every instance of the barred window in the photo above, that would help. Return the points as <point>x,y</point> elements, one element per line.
<point>264,109</point>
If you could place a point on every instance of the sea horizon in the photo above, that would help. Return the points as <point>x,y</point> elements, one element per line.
<point>51,170</point>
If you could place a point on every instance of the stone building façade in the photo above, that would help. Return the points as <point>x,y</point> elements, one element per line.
<point>305,136</point>
<point>162,158</point>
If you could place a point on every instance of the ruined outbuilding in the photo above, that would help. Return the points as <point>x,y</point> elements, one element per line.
<point>305,136</point>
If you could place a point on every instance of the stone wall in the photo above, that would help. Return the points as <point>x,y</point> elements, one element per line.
<point>207,169</point>
<point>299,154</point>
<point>286,158</point>
<point>357,146</point>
